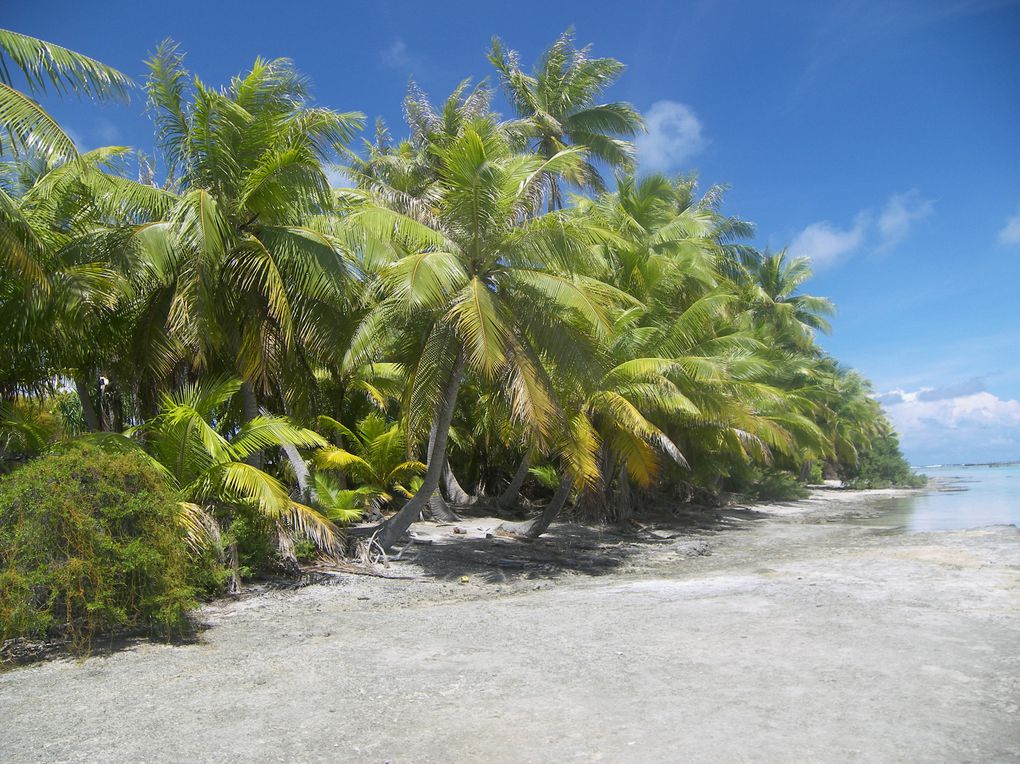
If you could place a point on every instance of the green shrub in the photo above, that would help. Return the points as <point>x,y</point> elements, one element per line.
<point>89,544</point>
<point>767,484</point>
<point>778,485</point>
<point>257,551</point>
<point>882,465</point>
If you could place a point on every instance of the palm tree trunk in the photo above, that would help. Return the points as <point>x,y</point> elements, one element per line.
<point>297,464</point>
<point>300,468</point>
<point>509,496</point>
<point>437,504</point>
<point>624,498</point>
<point>250,410</point>
<point>540,523</point>
<point>234,566</point>
<point>391,530</point>
<point>88,408</point>
<point>441,510</point>
<point>454,491</point>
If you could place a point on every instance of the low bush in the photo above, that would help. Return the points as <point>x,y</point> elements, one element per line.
<point>778,485</point>
<point>90,544</point>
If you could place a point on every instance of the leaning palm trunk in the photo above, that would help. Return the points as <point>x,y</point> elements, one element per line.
<point>391,531</point>
<point>440,509</point>
<point>540,523</point>
<point>298,465</point>
<point>509,496</point>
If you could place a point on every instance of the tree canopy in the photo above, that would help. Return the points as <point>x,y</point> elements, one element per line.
<point>292,356</point>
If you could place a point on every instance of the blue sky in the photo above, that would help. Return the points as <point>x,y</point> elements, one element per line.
<point>878,138</point>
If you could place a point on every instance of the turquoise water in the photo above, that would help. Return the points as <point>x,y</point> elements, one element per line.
<point>969,497</point>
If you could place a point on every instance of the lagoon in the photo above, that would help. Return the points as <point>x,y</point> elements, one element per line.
<point>962,497</point>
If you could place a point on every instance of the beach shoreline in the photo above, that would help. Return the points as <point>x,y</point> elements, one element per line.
<point>780,632</point>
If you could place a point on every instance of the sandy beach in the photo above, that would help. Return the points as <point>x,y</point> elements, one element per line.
<point>786,633</point>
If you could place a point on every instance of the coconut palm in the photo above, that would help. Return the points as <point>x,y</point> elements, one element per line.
<point>64,319</point>
<point>374,455</point>
<point>491,283</point>
<point>774,300</point>
<point>559,104</point>
<point>44,65</point>
<point>668,250</point>
<point>232,273</point>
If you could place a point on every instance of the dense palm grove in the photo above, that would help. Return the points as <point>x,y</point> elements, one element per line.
<point>497,311</point>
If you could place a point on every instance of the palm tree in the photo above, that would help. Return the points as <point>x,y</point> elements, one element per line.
<point>559,105</point>
<point>241,268</point>
<point>65,318</point>
<point>772,293</point>
<point>205,456</point>
<point>27,124</point>
<point>375,457</point>
<point>668,250</point>
<point>492,284</point>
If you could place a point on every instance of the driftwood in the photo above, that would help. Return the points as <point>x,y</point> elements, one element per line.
<point>340,568</point>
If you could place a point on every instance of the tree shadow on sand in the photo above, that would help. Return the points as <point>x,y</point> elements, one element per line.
<point>483,552</point>
<point>21,652</point>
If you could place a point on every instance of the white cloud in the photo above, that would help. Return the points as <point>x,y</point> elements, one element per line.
<point>955,423</point>
<point>826,245</point>
<point>1009,235</point>
<point>674,135</point>
<point>899,214</point>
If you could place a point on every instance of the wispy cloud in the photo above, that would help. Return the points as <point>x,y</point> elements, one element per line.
<point>1009,234</point>
<point>107,133</point>
<point>900,214</point>
<point>828,244</point>
<point>396,55</point>
<point>674,135</point>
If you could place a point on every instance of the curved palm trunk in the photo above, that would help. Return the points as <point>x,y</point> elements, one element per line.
<point>437,504</point>
<point>509,496</point>
<point>441,510</point>
<point>300,468</point>
<point>391,530</point>
<point>540,523</point>
<point>454,491</point>
<point>297,464</point>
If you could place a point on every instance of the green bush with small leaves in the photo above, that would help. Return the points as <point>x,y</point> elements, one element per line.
<point>90,544</point>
